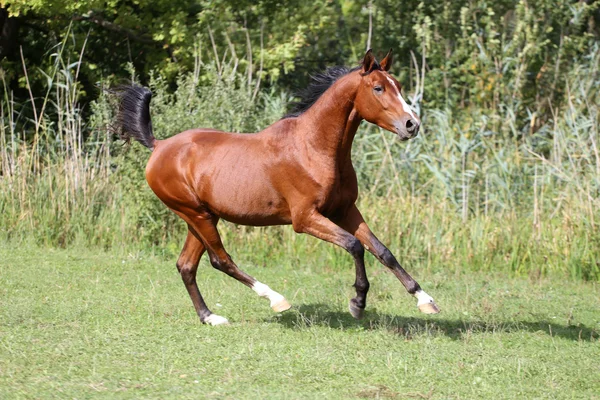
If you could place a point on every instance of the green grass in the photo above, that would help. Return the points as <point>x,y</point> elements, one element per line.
<point>87,324</point>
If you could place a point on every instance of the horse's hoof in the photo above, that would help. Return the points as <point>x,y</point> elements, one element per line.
<point>214,319</point>
<point>356,311</point>
<point>281,306</point>
<point>429,308</point>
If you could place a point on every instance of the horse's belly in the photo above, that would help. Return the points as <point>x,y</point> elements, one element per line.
<point>240,214</point>
<point>257,220</point>
<point>247,202</point>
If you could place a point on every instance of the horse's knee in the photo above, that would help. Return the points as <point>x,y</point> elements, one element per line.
<point>356,248</point>
<point>187,272</point>
<point>413,287</point>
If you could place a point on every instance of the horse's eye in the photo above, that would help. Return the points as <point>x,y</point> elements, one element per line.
<point>378,89</point>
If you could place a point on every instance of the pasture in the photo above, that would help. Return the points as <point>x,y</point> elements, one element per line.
<point>493,208</point>
<point>82,323</point>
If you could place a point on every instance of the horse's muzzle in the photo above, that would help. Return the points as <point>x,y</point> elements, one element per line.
<point>407,128</point>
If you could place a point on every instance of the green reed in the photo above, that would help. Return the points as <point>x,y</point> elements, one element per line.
<point>479,189</point>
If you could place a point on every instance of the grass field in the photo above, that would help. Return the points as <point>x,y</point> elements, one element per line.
<point>87,324</point>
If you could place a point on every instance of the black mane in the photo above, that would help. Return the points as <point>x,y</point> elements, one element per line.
<point>319,84</point>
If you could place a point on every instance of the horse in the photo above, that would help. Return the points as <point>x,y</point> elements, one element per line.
<point>296,171</point>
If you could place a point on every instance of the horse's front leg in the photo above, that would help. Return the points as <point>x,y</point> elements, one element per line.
<point>354,223</point>
<point>317,225</point>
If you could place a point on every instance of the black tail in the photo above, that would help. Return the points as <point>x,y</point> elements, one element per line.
<point>133,120</point>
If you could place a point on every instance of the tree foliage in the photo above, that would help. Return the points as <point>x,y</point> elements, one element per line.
<point>483,52</point>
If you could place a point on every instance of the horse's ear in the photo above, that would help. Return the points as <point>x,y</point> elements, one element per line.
<point>386,63</point>
<point>369,63</point>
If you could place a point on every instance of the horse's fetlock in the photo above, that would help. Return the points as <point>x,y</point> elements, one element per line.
<point>362,287</point>
<point>413,287</point>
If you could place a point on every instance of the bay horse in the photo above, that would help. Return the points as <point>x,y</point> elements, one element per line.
<point>297,171</point>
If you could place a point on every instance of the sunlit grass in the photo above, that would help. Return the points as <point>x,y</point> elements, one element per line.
<point>82,324</point>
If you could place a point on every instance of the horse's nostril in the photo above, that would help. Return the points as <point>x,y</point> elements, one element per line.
<point>411,126</point>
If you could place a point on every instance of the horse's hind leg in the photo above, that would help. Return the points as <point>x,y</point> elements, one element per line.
<point>187,264</point>
<point>207,231</point>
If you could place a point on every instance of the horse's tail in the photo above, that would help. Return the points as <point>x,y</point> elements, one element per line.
<point>133,120</point>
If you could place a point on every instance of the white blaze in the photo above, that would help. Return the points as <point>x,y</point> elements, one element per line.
<point>405,105</point>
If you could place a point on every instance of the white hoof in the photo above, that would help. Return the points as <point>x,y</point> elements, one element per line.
<point>281,306</point>
<point>429,308</point>
<point>214,319</point>
<point>277,301</point>
<point>425,303</point>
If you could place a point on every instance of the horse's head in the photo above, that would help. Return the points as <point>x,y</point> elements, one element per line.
<point>379,99</point>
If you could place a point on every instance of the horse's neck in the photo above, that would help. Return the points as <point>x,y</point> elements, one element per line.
<point>330,124</point>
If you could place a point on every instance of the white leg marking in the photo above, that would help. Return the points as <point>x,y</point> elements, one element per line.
<point>425,303</point>
<point>278,302</point>
<point>423,298</point>
<point>214,319</point>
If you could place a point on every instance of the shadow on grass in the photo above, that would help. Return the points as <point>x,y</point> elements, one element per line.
<point>308,315</point>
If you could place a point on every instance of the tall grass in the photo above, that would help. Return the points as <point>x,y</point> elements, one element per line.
<point>478,189</point>
<point>54,184</point>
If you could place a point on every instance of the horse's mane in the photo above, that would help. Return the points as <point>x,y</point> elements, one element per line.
<point>319,84</point>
